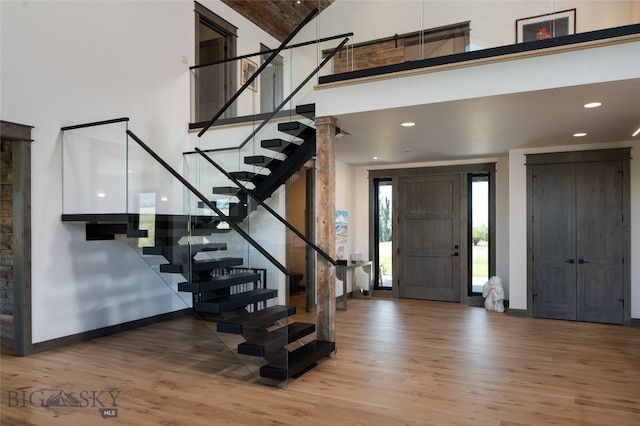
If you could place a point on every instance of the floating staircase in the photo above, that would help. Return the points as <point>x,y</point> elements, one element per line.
<point>222,287</point>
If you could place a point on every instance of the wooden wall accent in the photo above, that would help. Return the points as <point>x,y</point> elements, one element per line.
<point>15,236</point>
<point>6,244</point>
<point>399,48</point>
<point>374,55</point>
<point>276,17</point>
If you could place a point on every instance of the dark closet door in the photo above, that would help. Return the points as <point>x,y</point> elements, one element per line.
<point>599,237</point>
<point>554,241</point>
<point>578,241</point>
<point>428,240</point>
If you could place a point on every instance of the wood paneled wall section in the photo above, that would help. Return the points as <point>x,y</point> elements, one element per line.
<point>369,56</point>
<point>6,244</point>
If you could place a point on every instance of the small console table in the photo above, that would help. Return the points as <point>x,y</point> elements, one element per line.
<point>346,273</point>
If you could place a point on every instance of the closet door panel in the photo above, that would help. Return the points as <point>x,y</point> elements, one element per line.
<point>599,236</point>
<point>554,256</point>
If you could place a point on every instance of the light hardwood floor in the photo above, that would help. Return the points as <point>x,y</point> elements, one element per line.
<point>399,362</point>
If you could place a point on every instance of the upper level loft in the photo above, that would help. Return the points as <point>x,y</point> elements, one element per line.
<point>442,64</point>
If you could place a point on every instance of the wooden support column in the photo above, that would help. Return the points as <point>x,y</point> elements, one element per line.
<point>325,206</point>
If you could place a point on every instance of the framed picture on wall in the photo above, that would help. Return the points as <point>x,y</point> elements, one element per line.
<point>546,26</point>
<point>247,69</point>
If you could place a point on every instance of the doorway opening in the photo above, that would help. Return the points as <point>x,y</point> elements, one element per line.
<point>271,82</point>
<point>301,258</point>
<point>214,83</point>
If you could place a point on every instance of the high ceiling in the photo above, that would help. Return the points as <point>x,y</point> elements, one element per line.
<point>473,128</point>
<point>277,17</point>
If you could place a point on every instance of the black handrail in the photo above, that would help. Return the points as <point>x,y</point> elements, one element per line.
<point>250,80</point>
<point>95,123</point>
<point>275,112</point>
<point>209,204</point>
<point>265,52</point>
<point>269,209</point>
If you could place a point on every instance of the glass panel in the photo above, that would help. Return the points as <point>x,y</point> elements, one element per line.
<point>479,196</point>
<point>94,169</point>
<point>413,33</point>
<point>384,233</point>
<point>199,248</point>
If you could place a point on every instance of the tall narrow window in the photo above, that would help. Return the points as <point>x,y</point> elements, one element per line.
<point>383,234</point>
<point>478,232</point>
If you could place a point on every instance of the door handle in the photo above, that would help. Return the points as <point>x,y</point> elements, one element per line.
<point>581,261</point>
<point>570,261</point>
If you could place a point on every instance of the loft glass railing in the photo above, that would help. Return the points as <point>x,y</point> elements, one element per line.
<point>222,93</point>
<point>394,32</point>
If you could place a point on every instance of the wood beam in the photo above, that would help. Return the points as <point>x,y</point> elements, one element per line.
<point>325,227</point>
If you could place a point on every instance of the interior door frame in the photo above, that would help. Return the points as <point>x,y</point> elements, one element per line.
<point>464,170</point>
<point>614,154</point>
<point>230,33</point>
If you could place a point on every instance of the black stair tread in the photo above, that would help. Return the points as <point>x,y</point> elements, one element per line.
<point>202,265</point>
<point>183,248</point>
<point>306,110</point>
<point>229,303</point>
<point>276,339</point>
<point>216,283</point>
<point>137,233</point>
<point>263,160</point>
<point>237,323</point>
<point>279,145</point>
<point>225,190</point>
<point>252,177</point>
<point>301,360</point>
<point>296,129</point>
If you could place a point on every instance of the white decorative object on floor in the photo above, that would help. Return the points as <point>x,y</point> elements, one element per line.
<point>493,292</point>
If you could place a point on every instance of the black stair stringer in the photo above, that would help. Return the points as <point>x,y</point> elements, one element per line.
<point>289,166</point>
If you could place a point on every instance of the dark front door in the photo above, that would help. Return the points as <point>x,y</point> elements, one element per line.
<point>577,239</point>
<point>428,237</point>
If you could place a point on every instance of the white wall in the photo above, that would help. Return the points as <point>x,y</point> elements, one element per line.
<point>65,63</point>
<point>518,221</point>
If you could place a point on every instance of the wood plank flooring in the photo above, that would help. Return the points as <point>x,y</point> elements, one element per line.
<point>399,362</point>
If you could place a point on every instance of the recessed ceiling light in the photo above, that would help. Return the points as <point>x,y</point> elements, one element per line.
<point>406,150</point>
<point>579,135</point>
<point>408,124</point>
<point>636,133</point>
<point>101,195</point>
<point>375,158</point>
<point>164,199</point>
<point>593,105</point>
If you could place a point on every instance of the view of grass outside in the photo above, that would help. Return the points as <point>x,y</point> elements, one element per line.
<point>385,233</point>
<point>479,233</point>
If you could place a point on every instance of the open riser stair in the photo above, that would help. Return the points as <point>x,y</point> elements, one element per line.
<point>223,288</point>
